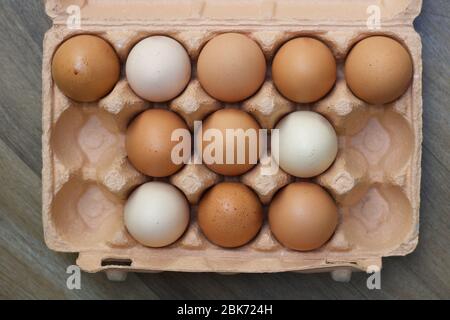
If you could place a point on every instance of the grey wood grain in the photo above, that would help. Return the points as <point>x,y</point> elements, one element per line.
<point>29,270</point>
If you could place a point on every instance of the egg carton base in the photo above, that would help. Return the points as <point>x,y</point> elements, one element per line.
<point>375,179</point>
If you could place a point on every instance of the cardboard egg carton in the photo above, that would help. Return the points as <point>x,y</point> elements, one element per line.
<point>375,179</point>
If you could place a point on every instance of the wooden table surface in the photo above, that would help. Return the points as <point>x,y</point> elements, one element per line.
<point>29,270</point>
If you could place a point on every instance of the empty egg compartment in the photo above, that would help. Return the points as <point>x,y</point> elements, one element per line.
<point>380,221</point>
<point>87,178</point>
<point>86,216</point>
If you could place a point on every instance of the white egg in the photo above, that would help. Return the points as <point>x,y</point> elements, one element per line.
<point>156,214</point>
<point>307,144</point>
<point>158,68</point>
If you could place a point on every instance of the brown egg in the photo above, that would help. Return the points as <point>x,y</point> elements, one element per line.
<point>221,121</point>
<point>304,70</point>
<point>85,68</point>
<point>230,214</point>
<point>231,67</point>
<point>303,216</point>
<point>148,142</point>
<point>378,70</point>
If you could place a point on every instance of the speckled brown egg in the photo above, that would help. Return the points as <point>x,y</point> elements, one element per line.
<point>378,70</point>
<point>304,70</point>
<point>231,67</point>
<point>149,142</point>
<point>233,119</point>
<point>85,68</point>
<point>303,216</point>
<point>230,214</point>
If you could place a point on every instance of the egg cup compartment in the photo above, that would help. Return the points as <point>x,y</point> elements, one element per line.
<point>375,179</point>
<point>86,216</point>
<point>85,138</point>
<point>380,221</point>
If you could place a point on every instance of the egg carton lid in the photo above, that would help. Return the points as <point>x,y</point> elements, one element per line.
<point>230,12</point>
